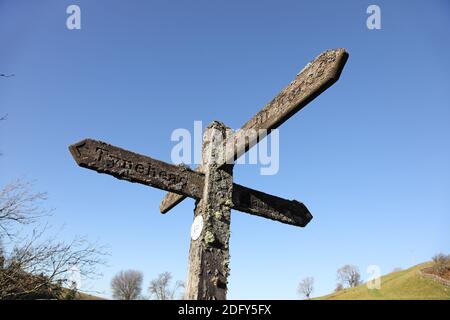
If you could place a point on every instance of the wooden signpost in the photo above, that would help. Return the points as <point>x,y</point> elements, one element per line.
<point>315,78</point>
<point>211,184</point>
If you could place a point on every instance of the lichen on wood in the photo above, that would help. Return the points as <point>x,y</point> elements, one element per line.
<point>209,255</point>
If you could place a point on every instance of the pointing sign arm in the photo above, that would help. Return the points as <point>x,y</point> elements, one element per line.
<point>133,167</point>
<point>270,207</point>
<point>264,205</point>
<point>169,201</point>
<point>314,79</point>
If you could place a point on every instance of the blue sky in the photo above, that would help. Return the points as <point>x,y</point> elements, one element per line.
<point>369,157</point>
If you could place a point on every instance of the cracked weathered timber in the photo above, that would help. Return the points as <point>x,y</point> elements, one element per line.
<point>212,183</point>
<point>315,78</point>
<point>126,165</point>
<point>209,254</point>
<point>133,167</point>
<point>270,207</point>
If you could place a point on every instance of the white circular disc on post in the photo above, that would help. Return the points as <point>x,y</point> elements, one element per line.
<point>196,228</point>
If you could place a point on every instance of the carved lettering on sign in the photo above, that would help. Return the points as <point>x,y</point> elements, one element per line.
<point>123,164</point>
<point>130,166</point>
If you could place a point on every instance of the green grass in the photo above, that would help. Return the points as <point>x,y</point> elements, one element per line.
<point>402,285</point>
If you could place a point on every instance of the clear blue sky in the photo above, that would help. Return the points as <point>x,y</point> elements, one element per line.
<point>370,157</point>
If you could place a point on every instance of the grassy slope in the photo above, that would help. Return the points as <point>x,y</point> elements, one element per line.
<point>85,296</point>
<point>82,296</point>
<point>405,284</point>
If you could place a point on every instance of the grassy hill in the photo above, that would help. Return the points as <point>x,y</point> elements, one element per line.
<point>404,284</point>
<point>85,296</point>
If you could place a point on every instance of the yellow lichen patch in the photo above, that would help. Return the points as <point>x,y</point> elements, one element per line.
<point>218,215</point>
<point>209,237</point>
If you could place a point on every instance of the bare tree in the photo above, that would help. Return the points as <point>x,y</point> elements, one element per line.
<point>349,275</point>
<point>159,288</point>
<point>38,266</point>
<point>19,206</point>
<point>306,287</point>
<point>127,285</point>
<point>441,263</point>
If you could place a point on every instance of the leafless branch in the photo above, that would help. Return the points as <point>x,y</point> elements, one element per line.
<point>19,206</point>
<point>44,262</point>
<point>159,288</point>
<point>349,275</point>
<point>127,285</point>
<point>306,287</point>
<point>39,266</point>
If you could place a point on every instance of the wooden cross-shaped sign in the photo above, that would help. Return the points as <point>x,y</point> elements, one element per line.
<point>211,184</point>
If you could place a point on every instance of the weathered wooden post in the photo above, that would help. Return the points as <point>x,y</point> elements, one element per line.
<point>209,252</point>
<point>211,184</point>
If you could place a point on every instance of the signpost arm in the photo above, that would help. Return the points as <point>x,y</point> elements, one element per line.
<point>270,207</point>
<point>126,165</point>
<point>310,82</point>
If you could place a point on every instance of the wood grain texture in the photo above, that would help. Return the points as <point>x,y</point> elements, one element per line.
<point>270,207</point>
<point>310,82</point>
<point>133,167</point>
<point>209,254</point>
